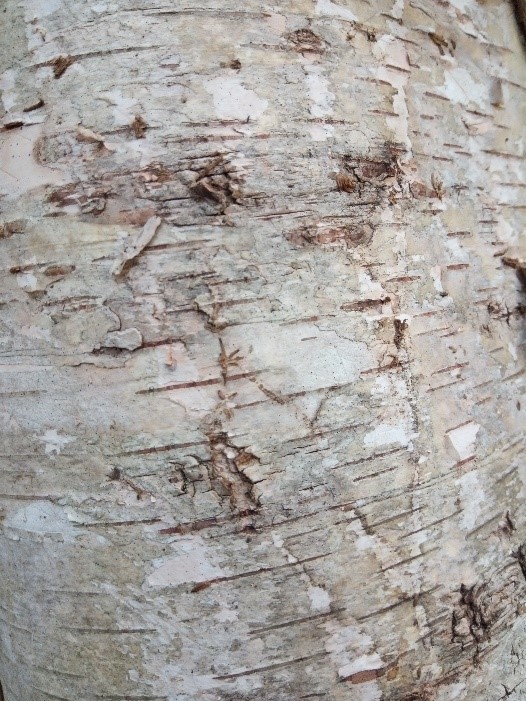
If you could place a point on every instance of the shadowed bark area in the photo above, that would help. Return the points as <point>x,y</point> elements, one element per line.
<point>262,351</point>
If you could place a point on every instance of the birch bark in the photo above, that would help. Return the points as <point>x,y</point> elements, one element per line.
<point>262,352</point>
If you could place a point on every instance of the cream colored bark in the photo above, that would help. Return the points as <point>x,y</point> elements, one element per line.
<point>262,351</point>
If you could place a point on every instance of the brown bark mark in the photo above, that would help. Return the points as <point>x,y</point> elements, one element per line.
<point>370,182</point>
<point>34,105</point>
<point>519,265</point>
<point>225,471</point>
<point>7,229</point>
<point>487,608</point>
<point>61,64</point>
<point>364,304</point>
<point>305,41</point>
<point>91,200</point>
<point>346,236</point>
<point>400,326</point>
<point>442,43</point>
<point>373,173</point>
<point>219,183</point>
<point>520,13</point>
<point>365,675</point>
<point>138,127</point>
<point>345,183</point>
<point>521,551</point>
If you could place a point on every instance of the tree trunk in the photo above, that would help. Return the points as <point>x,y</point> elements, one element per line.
<point>262,351</point>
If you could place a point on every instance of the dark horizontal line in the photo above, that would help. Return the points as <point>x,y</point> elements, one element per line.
<point>101,52</point>
<point>369,458</point>
<point>295,621</point>
<point>30,497</point>
<point>409,559</point>
<point>109,631</point>
<point>157,449</point>
<point>378,612</point>
<point>182,385</point>
<point>251,573</point>
<point>108,524</point>
<point>267,668</point>
<point>433,523</point>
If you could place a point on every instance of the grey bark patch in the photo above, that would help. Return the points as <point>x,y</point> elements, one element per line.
<point>129,339</point>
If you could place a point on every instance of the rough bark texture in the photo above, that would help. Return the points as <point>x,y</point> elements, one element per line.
<point>262,348</point>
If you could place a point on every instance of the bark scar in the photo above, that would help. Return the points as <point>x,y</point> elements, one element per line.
<point>227,477</point>
<point>134,247</point>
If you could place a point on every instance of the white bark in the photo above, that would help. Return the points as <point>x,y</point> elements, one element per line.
<point>262,349</point>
